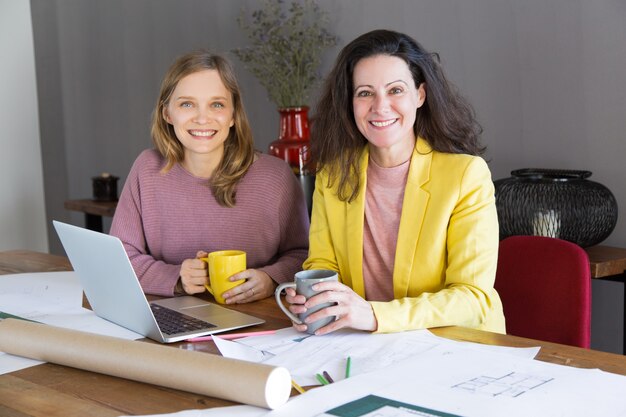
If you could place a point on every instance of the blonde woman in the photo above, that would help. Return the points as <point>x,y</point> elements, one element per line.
<point>204,188</point>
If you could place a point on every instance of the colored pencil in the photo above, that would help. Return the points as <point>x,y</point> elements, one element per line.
<point>327,376</point>
<point>297,387</point>
<point>230,336</point>
<point>321,379</point>
<point>348,364</point>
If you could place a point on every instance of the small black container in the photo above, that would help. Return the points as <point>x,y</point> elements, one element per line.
<point>555,203</point>
<point>105,187</point>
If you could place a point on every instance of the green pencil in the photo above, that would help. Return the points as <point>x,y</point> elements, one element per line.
<point>348,363</point>
<point>321,379</point>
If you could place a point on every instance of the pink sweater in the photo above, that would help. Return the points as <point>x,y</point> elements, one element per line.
<point>163,219</point>
<point>383,207</point>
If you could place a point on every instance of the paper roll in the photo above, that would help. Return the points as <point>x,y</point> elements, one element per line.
<point>197,372</point>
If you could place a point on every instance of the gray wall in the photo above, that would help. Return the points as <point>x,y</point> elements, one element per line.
<point>546,78</point>
<point>22,211</point>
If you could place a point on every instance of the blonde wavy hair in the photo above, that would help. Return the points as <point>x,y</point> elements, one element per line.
<point>238,147</point>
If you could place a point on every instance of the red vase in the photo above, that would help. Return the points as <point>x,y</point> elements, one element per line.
<point>292,146</point>
<point>293,138</point>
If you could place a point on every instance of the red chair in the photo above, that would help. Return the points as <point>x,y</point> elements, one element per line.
<point>545,287</point>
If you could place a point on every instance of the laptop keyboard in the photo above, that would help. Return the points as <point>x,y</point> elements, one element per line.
<point>173,322</point>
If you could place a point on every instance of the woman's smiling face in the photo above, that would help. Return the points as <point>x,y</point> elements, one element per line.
<point>201,111</point>
<point>385,103</point>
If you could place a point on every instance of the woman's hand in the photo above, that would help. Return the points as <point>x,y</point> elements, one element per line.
<point>258,285</point>
<point>351,310</point>
<point>194,274</point>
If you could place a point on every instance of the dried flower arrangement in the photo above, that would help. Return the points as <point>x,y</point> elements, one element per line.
<point>287,41</point>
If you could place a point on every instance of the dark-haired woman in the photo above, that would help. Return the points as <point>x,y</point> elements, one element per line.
<point>404,206</point>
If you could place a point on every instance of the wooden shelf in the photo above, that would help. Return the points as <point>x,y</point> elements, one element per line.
<point>94,211</point>
<point>97,208</point>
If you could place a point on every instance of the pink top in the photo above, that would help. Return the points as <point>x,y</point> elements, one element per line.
<point>383,206</point>
<point>163,219</point>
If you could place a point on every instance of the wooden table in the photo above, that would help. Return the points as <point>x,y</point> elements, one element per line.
<point>51,390</point>
<point>94,211</point>
<point>609,263</point>
<point>606,261</point>
<point>18,261</point>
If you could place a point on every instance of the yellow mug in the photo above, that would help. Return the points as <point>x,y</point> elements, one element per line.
<point>222,265</point>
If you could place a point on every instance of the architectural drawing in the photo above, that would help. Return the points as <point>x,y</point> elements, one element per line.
<point>512,384</point>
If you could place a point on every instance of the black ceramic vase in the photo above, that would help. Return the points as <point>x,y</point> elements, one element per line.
<point>555,203</point>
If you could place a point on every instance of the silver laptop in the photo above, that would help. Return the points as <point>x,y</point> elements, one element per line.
<point>115,294</point>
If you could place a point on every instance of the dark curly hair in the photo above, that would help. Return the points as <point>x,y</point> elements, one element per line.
<point>446,120</point>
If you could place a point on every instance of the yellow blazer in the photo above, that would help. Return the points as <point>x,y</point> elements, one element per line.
<point>445,262</point>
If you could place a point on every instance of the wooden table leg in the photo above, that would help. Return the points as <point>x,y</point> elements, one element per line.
<point>93,222</point>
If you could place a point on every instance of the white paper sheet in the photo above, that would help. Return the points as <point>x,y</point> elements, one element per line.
<point>528,353</point>
<point>281,341</point>
<point>368,352</point>
<point>33,295</point>
<point>85,320</point>
<point>234,350</point>
<point>53,298</point>
<point>471,382</point>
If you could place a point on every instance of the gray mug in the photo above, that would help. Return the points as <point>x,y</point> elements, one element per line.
<point>304,280</point>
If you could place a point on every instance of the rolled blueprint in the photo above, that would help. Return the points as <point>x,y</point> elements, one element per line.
<point>201,373</point>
